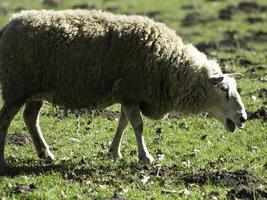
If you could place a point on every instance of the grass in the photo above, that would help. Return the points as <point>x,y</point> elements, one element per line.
<point>187,144</point>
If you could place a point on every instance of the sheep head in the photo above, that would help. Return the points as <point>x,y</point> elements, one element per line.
<point>225,102</point>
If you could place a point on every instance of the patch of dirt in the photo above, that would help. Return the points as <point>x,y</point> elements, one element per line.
<point>190,6</point>
<point>245,7</point>
<point>226,178</point>
<point>206,46</point>
<point>258,114</point>
<point>256,68</point>
<point>250,7</point>
<point>258,36</point>
<point>262,93</point>
<point>195,18</point>
<point>245,62</point>
<point>18,139</point>
<point>51,3</point>
<point>158,136</point>
<point>112,9</point>
<point>243,192</point>
<point>19,189</point>
<point>106,114</point>
<point>239,177</point>
<point>254,20</point>
<point>227,13</point>
<point>86,6</point>
<point>230,42</point>
<point>245,184</point>
<point>152,14</point>
<point>233,40</point>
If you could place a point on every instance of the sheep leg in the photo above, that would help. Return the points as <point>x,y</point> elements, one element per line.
<point>7,113</point>
<point>115,147</point>
<point>133,114</point>
<point>31,118</point>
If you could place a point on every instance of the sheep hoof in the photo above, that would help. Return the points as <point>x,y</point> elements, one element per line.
<point>46,154</point>
<point>147,158</point>
<point>2,167</point>
<point>115,155</point>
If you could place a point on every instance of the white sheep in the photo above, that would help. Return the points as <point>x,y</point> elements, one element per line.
<point>93,59</point>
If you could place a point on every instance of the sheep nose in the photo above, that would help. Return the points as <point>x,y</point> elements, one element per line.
<point>242,119</point>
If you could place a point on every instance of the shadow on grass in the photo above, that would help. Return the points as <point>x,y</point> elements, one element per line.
<point>71,169</point>
<point>243,183</point>
<point>13,171</point>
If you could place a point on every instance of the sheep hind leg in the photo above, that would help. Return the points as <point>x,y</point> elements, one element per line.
<point>115,147</point>
<point>31,118</point>
<point>133,114</point>
<point>7,113</point>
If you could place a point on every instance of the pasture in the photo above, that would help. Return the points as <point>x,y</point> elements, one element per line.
<point>195,158</point>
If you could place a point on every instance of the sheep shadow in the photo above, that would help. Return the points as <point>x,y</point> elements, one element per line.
<point>72,170</point>
<point>17,169</point>
<point>244,184</point>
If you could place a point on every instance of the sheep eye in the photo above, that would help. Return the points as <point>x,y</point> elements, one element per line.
<point>224,89</point>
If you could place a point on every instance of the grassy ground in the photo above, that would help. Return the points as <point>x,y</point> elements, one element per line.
<point>195,157</point>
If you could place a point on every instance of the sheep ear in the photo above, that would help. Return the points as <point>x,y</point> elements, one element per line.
<point>237,76</point>
<point>215,80</point>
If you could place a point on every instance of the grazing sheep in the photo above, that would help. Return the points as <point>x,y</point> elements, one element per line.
<point>93,59</point>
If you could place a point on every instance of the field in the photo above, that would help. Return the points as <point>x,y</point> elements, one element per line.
<point>195,157</point>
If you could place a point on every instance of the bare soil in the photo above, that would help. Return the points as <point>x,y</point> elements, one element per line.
<point>243,7</point>
<point>194,18</point>
<point>19,189</point>
<point>261,113</point>
<point>243,192</point>
<point>18,139</point>
<point>239,177</point>
<point>245,184</point>
<point>87,6</point>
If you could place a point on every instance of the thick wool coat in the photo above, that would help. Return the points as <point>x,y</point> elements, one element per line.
<point>93,59</point>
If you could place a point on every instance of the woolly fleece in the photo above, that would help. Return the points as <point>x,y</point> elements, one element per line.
<point>93,59</point>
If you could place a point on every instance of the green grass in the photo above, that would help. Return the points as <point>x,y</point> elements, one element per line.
<point>189,144</point>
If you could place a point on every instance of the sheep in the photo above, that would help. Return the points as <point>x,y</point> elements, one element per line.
<point>94,59</point>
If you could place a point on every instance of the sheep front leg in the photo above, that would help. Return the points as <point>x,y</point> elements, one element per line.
<point>133,114</point>
<point>115,147</point>
<point>31,118</point>
<point>7,113</point>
